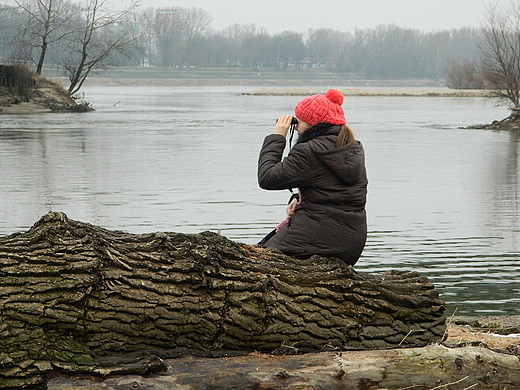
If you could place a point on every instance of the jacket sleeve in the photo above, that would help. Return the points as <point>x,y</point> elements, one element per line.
<point>277,174</point>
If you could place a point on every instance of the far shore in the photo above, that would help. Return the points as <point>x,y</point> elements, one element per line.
<point>269,82</point>
<point>267,86</point>
<point>293,87</point>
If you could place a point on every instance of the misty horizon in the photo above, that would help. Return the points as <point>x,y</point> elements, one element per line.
<point>344,15</point>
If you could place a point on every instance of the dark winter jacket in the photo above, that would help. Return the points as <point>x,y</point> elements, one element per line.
<point>331,221</point>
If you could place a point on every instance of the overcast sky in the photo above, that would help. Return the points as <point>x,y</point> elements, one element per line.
<point>342,15</point>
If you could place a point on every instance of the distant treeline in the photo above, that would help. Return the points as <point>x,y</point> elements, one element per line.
<point>183,38</point>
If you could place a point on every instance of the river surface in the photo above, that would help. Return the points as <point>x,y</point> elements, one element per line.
<point>443,200</point>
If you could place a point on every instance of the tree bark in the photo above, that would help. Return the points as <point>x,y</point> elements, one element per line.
<point>81,299</point>
<point>432,367</point>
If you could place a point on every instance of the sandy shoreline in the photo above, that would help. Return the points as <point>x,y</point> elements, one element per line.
<point>397,92</point>
<point>23,109</point>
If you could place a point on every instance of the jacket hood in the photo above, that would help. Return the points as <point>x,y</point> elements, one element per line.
<point>346,162</point>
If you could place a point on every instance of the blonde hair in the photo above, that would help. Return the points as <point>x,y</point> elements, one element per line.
<point>345,136</point>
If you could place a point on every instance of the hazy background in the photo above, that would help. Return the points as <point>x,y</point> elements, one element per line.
<point>343,15</point>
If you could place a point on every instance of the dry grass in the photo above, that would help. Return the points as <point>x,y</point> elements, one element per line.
<point>465,335</point>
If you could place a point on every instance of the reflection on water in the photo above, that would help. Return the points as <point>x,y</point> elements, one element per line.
<point>442,200</point>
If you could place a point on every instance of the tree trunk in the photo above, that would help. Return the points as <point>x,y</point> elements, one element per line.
<point>432,367</point>
<point>81,299</point>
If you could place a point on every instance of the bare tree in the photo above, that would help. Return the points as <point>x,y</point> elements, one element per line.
<point>290,49</point>
<point>328,46</point>
<point>322,43</point>
<point>256,51</point>
<point>500,51</point>
<point>216,50</point>
<point>237,34</point>
<point>146,36</point>
<point>99,32</point>
<point>45,23</point>
<point>7,28</point>
<point>463,75</point>
<point>169,29</point>
<point>177,36</point>
<point>197,25</point>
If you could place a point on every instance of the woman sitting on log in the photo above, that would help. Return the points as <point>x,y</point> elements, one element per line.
<point>327,217</point>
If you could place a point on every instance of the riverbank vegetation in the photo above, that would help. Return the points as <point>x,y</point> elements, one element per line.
<point>80,38</point>
<point>77,39</point>
<point>53,33</point>
<point>23,91</point>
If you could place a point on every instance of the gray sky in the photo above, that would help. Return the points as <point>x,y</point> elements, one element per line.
<point>342,15</point>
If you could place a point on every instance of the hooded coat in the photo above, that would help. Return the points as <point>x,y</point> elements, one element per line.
<point>331,219</point>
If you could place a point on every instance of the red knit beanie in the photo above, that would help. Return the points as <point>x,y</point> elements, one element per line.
<point>322,108</point>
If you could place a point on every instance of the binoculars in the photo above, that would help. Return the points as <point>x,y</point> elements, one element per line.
<point>294,121</point>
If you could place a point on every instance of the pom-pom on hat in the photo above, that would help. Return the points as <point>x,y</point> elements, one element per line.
<point>322,108</point>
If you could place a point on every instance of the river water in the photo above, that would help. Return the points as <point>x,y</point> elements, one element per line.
<point>442,200</point>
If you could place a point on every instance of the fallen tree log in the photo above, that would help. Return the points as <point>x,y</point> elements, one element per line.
<point>431,367</point>
<point>81,299</point>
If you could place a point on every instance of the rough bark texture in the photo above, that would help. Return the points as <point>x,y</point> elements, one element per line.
<point>432,367</point>
<point>77,298</point>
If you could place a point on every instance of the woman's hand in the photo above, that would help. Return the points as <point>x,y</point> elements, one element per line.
<point>291,209</point>
<point>283,124</point>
